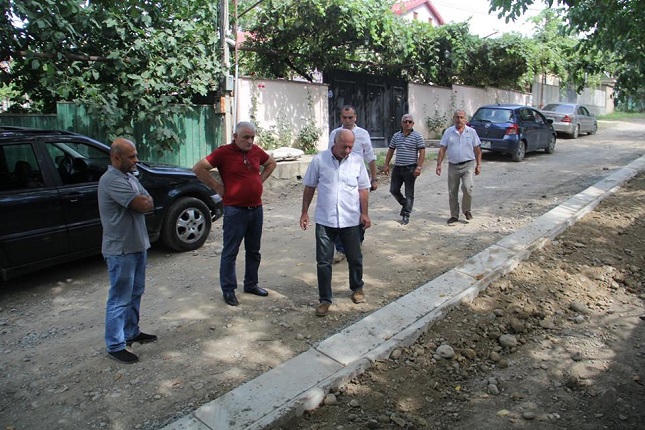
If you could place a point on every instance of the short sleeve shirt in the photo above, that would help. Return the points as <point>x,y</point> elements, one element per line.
<point>362,143</point>
<point>460,147</point>
<point>240,173</point>
<point>407,147</point>
<point>124,230</point>
<point>338,184</point>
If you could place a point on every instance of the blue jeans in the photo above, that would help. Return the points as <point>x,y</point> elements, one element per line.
<point>240,224</point>
<point>351,240</point>
<point>403,175</point>
<point>127,283</point>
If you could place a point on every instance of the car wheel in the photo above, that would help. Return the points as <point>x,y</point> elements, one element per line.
<point>187,224</point>
<point>594,129</point>
<point>520,152</point>
<point>551,146</point>
<point>576,132</point>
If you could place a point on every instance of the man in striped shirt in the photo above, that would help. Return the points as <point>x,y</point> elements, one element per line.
<point>410,155</point>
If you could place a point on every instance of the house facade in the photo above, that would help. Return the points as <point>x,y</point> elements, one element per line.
<point>419,10</point>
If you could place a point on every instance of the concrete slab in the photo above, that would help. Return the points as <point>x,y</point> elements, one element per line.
<point>491,263</point>
<point>292,169</point>
<point>437,292</point>
<point>363,336</point>
<point>261,396</point>
<point>543,229</point>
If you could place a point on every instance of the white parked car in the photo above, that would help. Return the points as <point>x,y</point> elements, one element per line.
<point>571,119</point>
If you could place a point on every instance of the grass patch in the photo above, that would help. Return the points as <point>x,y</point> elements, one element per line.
<point>623,116</point>
<point>380,157</point>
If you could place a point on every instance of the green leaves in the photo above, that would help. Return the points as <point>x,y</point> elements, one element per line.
<point>124,60</point>
<point>611,35</point>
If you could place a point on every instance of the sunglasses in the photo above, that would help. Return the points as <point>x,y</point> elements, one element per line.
<point>247,163</point>
<point>408,121</point>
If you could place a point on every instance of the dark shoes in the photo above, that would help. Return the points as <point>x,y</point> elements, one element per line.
<point>142,338</point>
<point>124,356</point>
<point>469,216</point>
<point>405,220</point>
<point>452,220</point>
<point>256,290</point>
<point>230,298</point>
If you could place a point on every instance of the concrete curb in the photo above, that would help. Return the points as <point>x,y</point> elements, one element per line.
<point>303,382</point>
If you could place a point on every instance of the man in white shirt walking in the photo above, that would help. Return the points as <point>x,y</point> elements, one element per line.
<point>362,147</point>
<point>341,212</point>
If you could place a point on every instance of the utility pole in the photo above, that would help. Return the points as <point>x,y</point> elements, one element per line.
<point>225,91</point>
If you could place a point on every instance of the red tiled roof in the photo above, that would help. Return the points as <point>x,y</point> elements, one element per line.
<point>402,7</point>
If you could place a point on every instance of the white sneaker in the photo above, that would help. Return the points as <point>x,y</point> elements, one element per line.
<point>338,257</point>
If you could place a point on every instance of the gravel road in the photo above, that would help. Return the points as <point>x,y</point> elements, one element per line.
<point>55,371</point>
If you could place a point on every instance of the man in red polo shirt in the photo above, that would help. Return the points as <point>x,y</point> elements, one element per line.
<point>238,164</point>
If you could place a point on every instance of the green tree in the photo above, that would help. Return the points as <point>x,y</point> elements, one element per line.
<point>611,30</point>
<point>126,61</point>
<point>289,38</point>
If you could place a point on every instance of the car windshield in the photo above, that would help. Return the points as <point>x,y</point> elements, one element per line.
<point>493,115</point>
<point>555,107</point>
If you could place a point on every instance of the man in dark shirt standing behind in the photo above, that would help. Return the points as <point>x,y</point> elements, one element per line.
<point>241,186</point>
<point>123,203</point>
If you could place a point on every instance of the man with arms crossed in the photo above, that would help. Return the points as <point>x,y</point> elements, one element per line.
<point>123,203</point>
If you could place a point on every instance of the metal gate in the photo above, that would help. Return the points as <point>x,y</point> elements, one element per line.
<point>380,102</point>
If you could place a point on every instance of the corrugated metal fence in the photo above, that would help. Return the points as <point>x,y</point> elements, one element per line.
<point>200,130</point>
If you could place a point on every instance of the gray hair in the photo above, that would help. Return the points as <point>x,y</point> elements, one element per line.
<point>244,125</point>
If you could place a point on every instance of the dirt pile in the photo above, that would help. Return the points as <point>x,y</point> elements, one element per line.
<point>556,344</point>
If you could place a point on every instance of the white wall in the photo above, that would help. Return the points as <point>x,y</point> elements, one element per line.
<point>426,100</point>
<point>283,101</point>
<point>599,100</point>
<point>286,102</point>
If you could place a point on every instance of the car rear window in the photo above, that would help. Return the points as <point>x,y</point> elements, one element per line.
<point>493,115</point>
<point>558,108</point>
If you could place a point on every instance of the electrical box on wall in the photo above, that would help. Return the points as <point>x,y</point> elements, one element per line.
<point>229,83</point>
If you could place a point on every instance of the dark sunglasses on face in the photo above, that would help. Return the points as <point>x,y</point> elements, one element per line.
<point>408,121</point>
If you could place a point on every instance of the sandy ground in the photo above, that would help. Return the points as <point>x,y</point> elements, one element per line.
<point>55,373</point>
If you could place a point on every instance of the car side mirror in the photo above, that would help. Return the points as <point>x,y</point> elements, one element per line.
<point>549,121</point>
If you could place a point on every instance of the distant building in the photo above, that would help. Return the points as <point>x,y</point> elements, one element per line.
<point>419,10</point>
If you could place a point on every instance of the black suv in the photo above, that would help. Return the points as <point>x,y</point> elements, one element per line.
<point>48,200</point>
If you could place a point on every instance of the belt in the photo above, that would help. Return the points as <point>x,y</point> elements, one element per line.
<point>462,163</point>
<point>249,208</point>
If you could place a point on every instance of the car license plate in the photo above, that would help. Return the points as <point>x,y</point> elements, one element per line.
<point>486,144</point>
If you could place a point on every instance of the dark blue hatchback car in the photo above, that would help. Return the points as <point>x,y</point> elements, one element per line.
<point>513,129</point>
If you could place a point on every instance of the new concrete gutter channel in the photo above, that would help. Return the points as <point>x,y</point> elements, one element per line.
<point>302,382</point>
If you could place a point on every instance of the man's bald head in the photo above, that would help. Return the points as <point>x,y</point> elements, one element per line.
<point>119,144</point>
<point>123,155</point>
<point>343,143</point>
